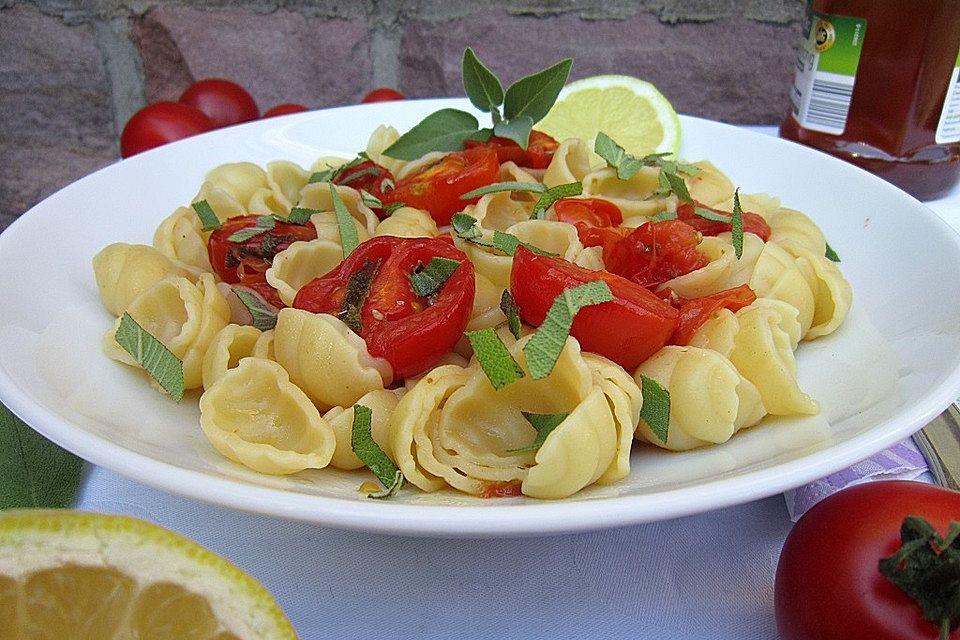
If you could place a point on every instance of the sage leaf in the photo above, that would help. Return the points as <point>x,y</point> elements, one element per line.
<point>443,130</point>
<point>534,95</point>
<point>481,86</point>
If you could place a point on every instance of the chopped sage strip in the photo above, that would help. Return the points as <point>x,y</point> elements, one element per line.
<point>656,407</point>
<point>831,255</point>
<point>736,225</point>
<point>301,215</point>
<point>664,215</point>
<point>534,187</point>
<point>508,243</point>
<point>264,315</point>
<point>677,185</point>
<point>393,206</point>
<point>544,423</point>
<point>370,453</point>
<point>510,309</point>
<point>494,357</point>
<point>370,200</point>
<point>465,226</point>
<point>358,288</point>
<point>547,342</point>
<point>264,224</point>
<point>321,176</point>
<point>616,156</point>
<point>152,355</point>
<point>428,280</point>
<point>349,238</point>
<point>553,194</point>
<point>208,219</point>
<point>369,171</point>
<point>712,216</point>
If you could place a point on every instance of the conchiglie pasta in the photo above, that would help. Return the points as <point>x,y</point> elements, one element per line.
<point>498,211</point>
<point>326,359</point>
<point>709,399</point>
<point>711,278</point>
<point>255,416</point>
<point>710,186</point>
<point>319,196</point>
<point>833,295</point>
<point>124,271</point>
<point>633,196</point>
<point>382,403</point>
<point>626,400</point>
<point>381,138</point>
<point>285,180</point>
<point>408,222</point>
<point>223,203</point>
<point>300,263</point>
<point>570,163</point>
<point>181,238</point>
<point>239,179</point>
<point>231,344</point>
<point>183,316</point>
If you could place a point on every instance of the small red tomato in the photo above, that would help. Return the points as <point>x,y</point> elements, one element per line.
<point>752,222</point>
<point>370,177</point>
<point>537,155</point>
<point>223,101</point>
<point>438,187</point>
<point>628,329</point>
<point>284,109</point>
<point>656,252</point>
<point>412,332</point>
<point>383,94</point>
<point>160,123</point>
<point>694,312</point>
<point>828,583</point>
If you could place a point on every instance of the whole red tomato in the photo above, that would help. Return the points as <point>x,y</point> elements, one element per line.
<point>383,94</point>
<point>284,109</point>
<point>160,123</point>
<point>828,585</point>
<point>223,101</point>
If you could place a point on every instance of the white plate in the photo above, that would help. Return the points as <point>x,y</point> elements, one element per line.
<point>892,367</point>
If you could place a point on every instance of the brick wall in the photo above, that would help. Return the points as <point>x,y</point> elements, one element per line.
<point>71,73</point>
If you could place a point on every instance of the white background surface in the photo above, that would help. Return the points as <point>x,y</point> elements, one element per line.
<point>705,576</point>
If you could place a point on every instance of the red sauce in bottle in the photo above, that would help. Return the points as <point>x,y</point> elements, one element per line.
<point>904,107</point>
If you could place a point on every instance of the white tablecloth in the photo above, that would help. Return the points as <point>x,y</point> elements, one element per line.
<point>705,576</point>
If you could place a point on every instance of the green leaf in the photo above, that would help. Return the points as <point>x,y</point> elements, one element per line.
<point>264,315</point>
<point>481,86</point>
<point>358,288</point>
<point>34,472</point>
<point>443,130</point>
<point>534,187</point>
<point>428,280</point>
<point>510,309</point>
<point>553,194</point>
<point>321,176</point>
<point>349,238</point>
<point>831,255</point>
<point>664,215</point>
<point>152,355</point>
<point>616,156</point>
<point>534,95</point>
<point>656,407</point>
<point>370,453</point>
<point>264,224</point>
<point>518,129</point>
<point>547,342</point>
<point>713,216</point>
<point>301,215</point>
<point>677,185</point>
<point>736,225</point>
<point>208,219</point>
<point>494,357</point>
<point>544,423</point>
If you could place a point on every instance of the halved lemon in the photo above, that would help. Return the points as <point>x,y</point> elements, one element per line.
<point>70,574</point>
<point>629,110</point>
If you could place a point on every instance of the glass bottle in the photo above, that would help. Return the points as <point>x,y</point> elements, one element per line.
<point>877,85</point>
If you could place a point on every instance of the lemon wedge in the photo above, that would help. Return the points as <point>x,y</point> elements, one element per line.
<point>70,574</point>
<point>629,110</point>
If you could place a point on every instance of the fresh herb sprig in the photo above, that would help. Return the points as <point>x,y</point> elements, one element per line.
<point>524,103</point>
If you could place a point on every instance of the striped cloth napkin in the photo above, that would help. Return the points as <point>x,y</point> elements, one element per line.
<point>903,461</point>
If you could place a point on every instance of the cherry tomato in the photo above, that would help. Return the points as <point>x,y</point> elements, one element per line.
<point>537,155</point>
<point>160,123</point>
<point>283,109</point>
<point>438,187</point>
<point>628,329</point>
<point>223,101</point>
<point>828,585</point>
<point>655,252</point>
<point>694,312</point>
<point>592,212</point>
<point>246,261</point>
<point>370,177</point>
<point>410,331</point>
<point>383,94</point>
<point>752,223</point>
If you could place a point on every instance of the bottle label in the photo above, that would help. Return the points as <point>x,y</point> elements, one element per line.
<point>949,128</point>
<point>827,64</point>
